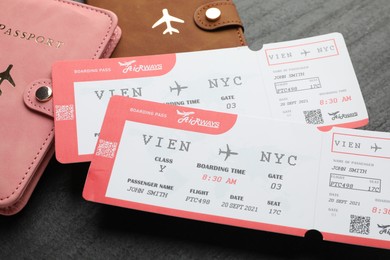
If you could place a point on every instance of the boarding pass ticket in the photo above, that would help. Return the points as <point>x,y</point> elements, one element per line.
<point>310,80</point>
<point>243,171</point>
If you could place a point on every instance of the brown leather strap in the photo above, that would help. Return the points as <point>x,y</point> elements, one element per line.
<point>229,16</point>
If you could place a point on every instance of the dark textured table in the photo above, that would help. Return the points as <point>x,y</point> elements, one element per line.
<point>58,223</point>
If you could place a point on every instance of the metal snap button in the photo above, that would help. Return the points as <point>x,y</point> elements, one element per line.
<point>213,14</point>
<point>43,94</point>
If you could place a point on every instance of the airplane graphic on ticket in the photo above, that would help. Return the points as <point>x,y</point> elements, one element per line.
<point>284,177</point>
<point>311,81</point>
<point>227,153</point>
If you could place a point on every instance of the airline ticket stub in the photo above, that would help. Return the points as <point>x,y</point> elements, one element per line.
<point>309,80</point>
<point>244,171</point>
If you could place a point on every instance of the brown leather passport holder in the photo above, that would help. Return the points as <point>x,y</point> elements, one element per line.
<point>171,26</point>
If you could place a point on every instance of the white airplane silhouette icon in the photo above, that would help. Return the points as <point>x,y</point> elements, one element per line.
<point>126,64</point>
<point>167,18</point>
<point>184,114</point>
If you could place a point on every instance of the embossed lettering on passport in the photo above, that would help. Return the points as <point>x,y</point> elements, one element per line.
<point>29,36</point>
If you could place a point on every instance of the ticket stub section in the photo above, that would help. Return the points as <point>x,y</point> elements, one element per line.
<point>354,187</point>
<point>312,80</point>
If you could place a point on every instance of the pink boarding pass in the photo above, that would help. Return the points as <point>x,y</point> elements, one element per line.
<point>309,80</point>
<point>243,171</point>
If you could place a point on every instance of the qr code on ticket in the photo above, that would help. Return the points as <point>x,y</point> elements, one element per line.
<point>106,149</point>
<point>359,225</point>
<point>64,112</point>
<point>313,117</point>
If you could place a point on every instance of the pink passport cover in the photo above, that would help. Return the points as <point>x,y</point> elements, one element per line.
<point>34,34</point>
